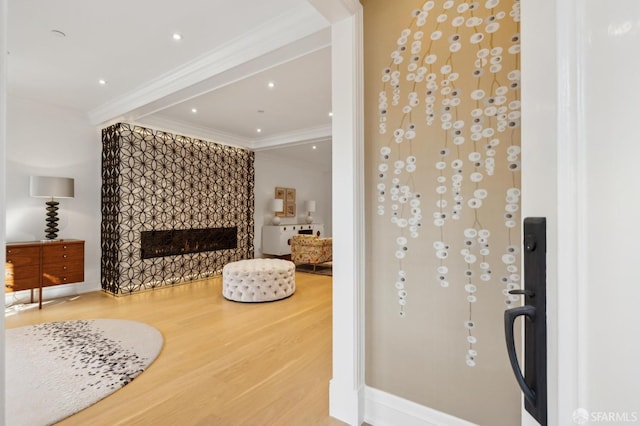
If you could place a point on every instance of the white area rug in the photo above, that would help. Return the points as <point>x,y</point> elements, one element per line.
<point>56,369</point>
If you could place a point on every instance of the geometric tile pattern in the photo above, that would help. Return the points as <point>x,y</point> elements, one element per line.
<point>157,181</point>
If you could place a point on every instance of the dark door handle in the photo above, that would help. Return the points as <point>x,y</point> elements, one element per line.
<point>510,316</point>
<point>523,292</point>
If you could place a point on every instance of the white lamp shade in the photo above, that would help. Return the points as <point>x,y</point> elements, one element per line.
<point>51,187</point>
<point>277,205</point>
<point>311,206</point>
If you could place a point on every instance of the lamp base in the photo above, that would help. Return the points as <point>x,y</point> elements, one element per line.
<point>309,219</point>
<point>52,220</point>
<point>275,220</point>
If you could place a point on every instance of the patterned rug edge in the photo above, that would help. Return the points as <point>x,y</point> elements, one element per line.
<point>66,366</point>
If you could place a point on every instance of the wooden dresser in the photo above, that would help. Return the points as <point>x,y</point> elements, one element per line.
<point>34,264</point>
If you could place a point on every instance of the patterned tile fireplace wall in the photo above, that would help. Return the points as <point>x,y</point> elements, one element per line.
<point>156,181</point>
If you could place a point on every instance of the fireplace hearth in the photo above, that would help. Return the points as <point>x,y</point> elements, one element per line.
<point>183,241</point>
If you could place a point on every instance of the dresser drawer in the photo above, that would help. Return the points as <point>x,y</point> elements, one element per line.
<point>21,268</point>
<point>11,286</point>
<point>54,254</point>
<point>59,275</point>
<point>23,277</point>
<point>23,256</point>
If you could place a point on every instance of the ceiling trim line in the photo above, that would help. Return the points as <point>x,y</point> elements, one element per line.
<point>337,10</point>
<point>293,25</point>
<point>301,164</point>
<point>316,134</point>
<point>295,137</point>
<point>176,127</point>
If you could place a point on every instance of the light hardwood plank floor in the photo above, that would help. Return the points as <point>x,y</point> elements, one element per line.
<point>223,363</point>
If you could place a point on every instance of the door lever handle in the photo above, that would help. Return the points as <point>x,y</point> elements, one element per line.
<point>523,292</point>
<point>510,316</point>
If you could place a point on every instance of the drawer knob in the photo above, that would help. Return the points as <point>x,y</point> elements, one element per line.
<point>64,267</point>
<point>64,278</point>
<point>9,261</point>
<point>64,256</point>
<point>64,247</point>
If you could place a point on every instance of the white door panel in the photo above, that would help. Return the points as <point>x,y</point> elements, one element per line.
<point>580,170</point>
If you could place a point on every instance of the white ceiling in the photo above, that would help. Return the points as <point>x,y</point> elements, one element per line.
<point>300,99</point>
<point>230,50</point>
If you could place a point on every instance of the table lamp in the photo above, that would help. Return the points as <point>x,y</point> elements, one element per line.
<point>51,187</point>
<point>277,206</point>
<point>311,208</point>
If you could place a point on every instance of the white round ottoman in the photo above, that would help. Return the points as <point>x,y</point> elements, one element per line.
<point>258,280</point>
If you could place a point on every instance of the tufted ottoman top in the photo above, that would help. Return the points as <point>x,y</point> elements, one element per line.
<point>258,280</point>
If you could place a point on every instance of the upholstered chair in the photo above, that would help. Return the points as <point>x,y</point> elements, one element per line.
<point>310,249</point>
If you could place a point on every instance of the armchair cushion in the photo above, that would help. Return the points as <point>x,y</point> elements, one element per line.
<point>311,249</point>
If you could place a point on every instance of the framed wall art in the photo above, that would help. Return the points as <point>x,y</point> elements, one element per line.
<point>290,203</point>
<point>288,196</point>
<point>281,194</point>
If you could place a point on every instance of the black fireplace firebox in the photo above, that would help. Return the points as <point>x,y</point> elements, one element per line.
<point>182,241</point>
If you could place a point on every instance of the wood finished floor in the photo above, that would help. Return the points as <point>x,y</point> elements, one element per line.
<point>223,363</point>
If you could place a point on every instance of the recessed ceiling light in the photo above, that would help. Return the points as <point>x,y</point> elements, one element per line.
<point>102,82</point>
<point>58,33</point>
<point>271,85</point>
<point>177,36</point>
<point>259,130</point>
<point>330,113</point>
<point>314,147</point>
<point>194,110</point>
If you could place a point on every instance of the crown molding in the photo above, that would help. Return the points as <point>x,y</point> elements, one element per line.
<point>336,10</point>
<point>295,24</point>
<point>295,137</point>
<point>176,127</point>
<point>297,163</point>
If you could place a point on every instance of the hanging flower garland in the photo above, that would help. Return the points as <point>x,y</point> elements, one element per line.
<point>421,86</point>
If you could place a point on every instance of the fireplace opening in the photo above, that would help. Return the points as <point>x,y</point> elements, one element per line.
<point>183,241</point>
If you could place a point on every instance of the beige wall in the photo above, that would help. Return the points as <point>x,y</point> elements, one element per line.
<point>420,345</point>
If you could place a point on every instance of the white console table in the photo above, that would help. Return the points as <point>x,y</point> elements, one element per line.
<point>276,239</point>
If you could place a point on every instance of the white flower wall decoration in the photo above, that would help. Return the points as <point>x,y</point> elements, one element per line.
<point>448,152</point>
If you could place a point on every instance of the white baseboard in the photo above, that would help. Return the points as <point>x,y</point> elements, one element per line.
<point>54,292</point>
<point>384,409</point>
